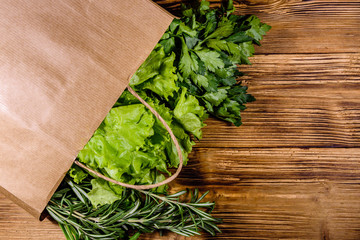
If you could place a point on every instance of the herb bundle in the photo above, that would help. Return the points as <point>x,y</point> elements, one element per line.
<point>191,73</point>
<point>137,210</point>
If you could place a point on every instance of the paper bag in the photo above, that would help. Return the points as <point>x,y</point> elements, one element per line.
<point>63,64</point>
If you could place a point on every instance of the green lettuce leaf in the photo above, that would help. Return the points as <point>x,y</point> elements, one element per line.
<point>190,114</point>
<point>114,146</point>
<point>77,174</point>
<point>101,193</point>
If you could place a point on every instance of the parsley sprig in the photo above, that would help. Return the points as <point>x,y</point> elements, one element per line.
<point>209,45</point>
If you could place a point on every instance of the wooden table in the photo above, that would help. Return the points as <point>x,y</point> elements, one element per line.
<point>292,171</point>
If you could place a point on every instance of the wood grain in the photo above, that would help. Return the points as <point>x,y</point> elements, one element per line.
<point>276,193</point>
<point>16,224</point>
<point>292,171</point>
<point>301,101</point>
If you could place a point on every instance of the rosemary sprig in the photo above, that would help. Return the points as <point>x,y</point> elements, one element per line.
<point>135,213</point>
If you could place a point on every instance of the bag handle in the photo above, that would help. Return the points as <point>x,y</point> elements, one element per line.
<point>142,187</point>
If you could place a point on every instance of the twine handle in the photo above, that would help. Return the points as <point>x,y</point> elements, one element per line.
<point>142,187</point>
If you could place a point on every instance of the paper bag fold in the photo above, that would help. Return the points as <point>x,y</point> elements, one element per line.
<point>63,64</point>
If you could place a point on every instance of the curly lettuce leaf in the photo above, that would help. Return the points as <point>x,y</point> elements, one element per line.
<point>190,114</point>
<point>113,147</point>
<point>157,74</point>
<point>102,193</point>
<point>77,174</point>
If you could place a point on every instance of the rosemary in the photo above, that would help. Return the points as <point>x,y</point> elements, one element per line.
<point>135,213</point>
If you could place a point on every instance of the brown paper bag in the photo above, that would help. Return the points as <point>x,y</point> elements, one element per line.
<point>63,64</point>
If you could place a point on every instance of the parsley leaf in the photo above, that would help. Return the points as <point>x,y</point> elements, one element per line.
<point>211,59</point>
<point>187,63</point>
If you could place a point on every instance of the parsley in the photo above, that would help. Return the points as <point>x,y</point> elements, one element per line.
<point>210,54</point>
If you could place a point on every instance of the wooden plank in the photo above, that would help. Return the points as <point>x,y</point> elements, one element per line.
<point>302,69</point>
<point>237,166</point>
